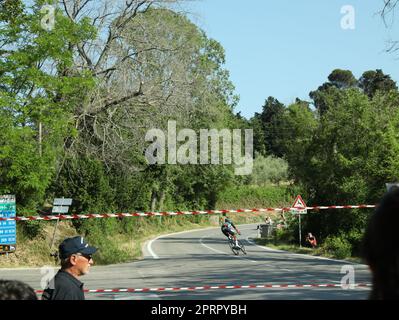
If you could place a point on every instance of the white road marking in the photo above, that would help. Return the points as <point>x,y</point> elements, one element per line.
<point>215,250</point>
<point>149,244</point>
<point>155,256</point>
<point>149,248</point>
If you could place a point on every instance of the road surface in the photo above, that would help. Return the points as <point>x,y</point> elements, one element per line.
<point>202,257</point>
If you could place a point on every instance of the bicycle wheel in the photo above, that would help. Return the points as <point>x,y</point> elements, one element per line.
<point>233,247</point>
<point>242,247</point>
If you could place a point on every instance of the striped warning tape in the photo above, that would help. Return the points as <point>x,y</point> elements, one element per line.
<point>251,286</point>
<point>178,213</point>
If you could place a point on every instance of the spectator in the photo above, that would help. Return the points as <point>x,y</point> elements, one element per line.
<point>380,247</point>
<point>76,259</point>
<point>311,239</point>
<point>16,290</point>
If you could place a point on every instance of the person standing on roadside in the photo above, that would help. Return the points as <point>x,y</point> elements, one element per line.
<point>76,260</point>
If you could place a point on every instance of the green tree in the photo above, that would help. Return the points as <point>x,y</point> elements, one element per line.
<point>259,134</point>
<point>351,157</point>
<point>338,80</point>
<point>372,81</point>
<point>342,79</point>
<point>300,124</point>
<point>269,170</point>
<point>36,97</point>
<point>179,74</point>
<point>268,126</point>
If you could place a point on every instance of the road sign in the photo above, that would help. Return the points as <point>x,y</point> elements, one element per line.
<point>61,205</point>
<point>62,202</point>
<point>8,229</point>
<point>60,209</point>
<point>300,204</point>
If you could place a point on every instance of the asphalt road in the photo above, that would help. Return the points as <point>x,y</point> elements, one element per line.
<point>202,257</point>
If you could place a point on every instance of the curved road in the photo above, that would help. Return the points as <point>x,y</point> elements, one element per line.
<point>202,257</point>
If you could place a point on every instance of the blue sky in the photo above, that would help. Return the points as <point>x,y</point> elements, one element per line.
<point>285,49</point>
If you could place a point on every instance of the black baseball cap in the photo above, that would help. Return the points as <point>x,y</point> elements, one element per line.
<point>75,245</point>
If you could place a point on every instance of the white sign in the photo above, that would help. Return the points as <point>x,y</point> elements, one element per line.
<point>62,202</point>
<point>60,209</point>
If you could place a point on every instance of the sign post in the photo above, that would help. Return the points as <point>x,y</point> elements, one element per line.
<point>301,209</point>
<point>300,231</point>
<point>60,206</point>
<point>8,229</point>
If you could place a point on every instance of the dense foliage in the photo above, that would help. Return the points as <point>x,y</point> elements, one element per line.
<point>342,150</point>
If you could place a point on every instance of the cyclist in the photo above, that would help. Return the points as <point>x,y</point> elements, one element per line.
<point>229,230</point>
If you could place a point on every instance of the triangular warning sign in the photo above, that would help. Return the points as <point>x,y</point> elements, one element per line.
<point>299,203</point>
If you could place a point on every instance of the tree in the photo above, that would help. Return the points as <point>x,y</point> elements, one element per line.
<point>34,100</point>
<point>300,124</point>
<point>342,79</point>
<point>372,81</point>
<point>338,80</point>
<point>178,72</point>
<point>268,170</point>
<point>270,121</point>
<point>259,134</point>
<point>351,153</point>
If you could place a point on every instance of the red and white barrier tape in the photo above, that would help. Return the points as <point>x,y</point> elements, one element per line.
<point>251,286</point>
<point>151,214</point>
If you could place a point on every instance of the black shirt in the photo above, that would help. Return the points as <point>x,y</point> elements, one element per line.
<point>66,287</point>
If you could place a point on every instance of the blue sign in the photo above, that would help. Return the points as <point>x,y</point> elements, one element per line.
<point>8,229</point>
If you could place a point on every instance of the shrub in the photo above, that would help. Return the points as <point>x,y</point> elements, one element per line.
<point>284,235</point>
<point>338,246</point>
<point>355,238</point>
<point>32,229</point>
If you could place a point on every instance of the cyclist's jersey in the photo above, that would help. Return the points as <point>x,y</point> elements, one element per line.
<point>229,225</point>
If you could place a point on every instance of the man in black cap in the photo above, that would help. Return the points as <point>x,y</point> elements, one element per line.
<point>76,259</point>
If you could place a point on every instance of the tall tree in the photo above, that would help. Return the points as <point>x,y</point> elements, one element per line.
<point>372,81</point>
<point>259,134</point>
<point>272,125</point>
<point>342,79</point>
<point>35,101</point>
<point>338,80</point>
<point>179,75</point>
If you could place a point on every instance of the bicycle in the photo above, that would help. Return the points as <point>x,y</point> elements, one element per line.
<point>236,250</point>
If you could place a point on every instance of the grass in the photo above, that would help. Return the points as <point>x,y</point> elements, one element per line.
<point>270,243</point>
